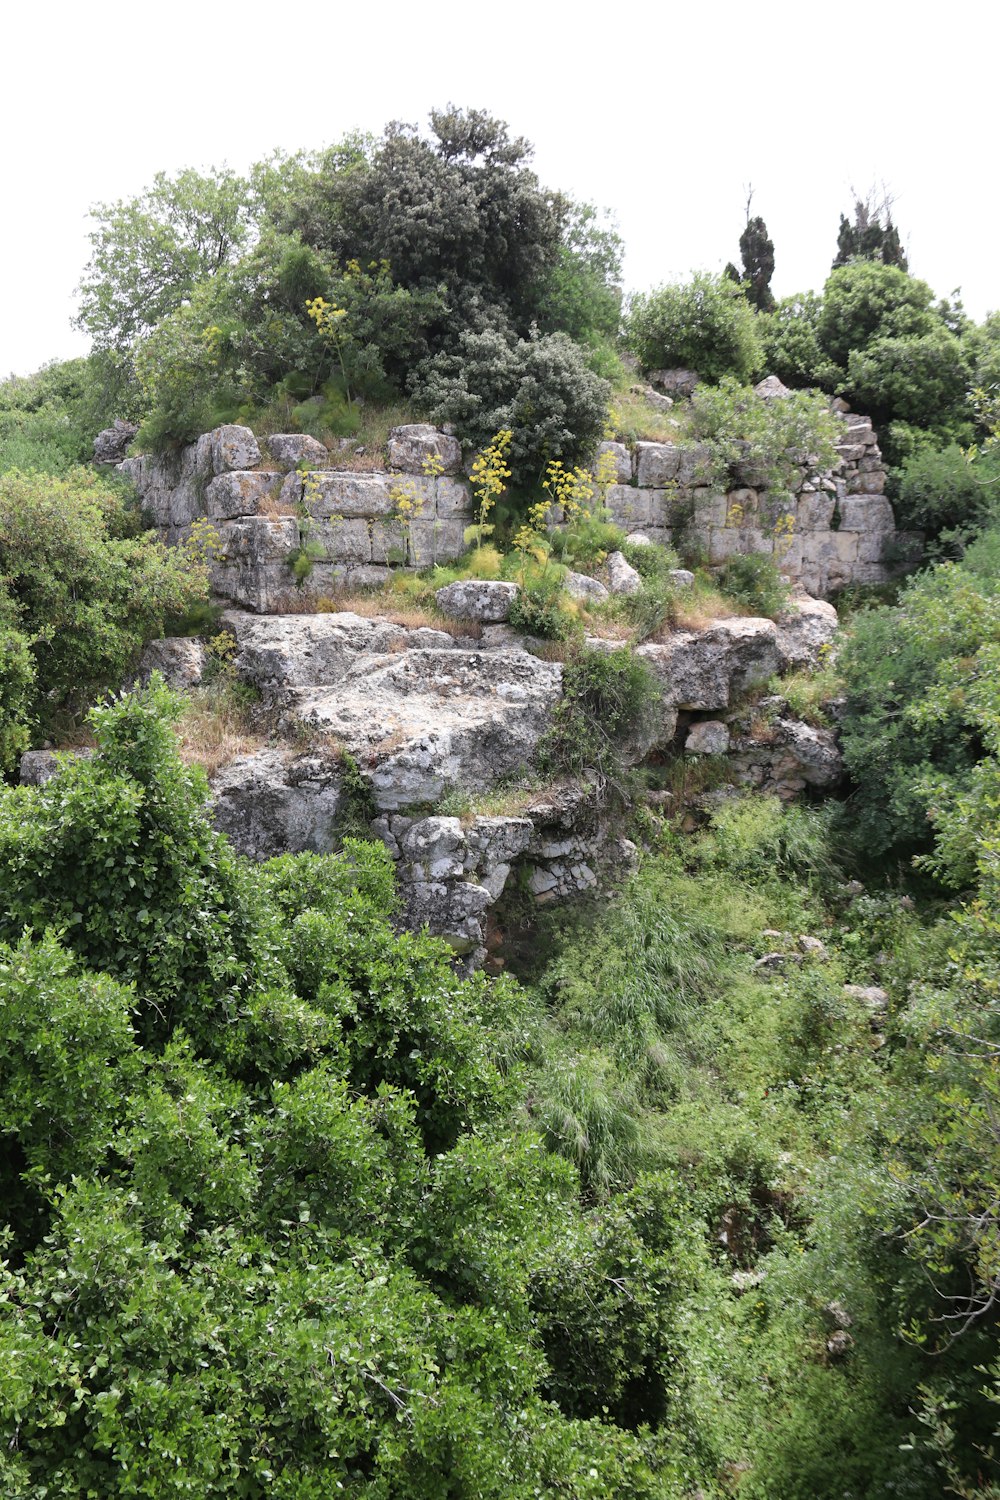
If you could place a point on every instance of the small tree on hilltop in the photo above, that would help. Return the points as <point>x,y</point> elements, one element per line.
<point>873,235</point>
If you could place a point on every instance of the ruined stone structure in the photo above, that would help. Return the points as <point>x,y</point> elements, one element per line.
<point>346,528</point>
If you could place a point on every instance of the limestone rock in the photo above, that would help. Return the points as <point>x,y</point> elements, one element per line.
<point>771,389</point>
<point>580,586</point>
<point>281,653</point>
<point>289,449</point>
<point>704,670</point>
<point>675,382</point>
<point>622,577</point>
<point>180,661</point>
<point>681,578</point>
<point>233,447</point>
<point>420,722</point>
<point>486,600</point>
<point>619,454</point>
<point>711,737</point>
<point>39,766</point>
<point>269,803</point>
<point>111,445</point>
<point>805,629</point>
<point>419,444</point>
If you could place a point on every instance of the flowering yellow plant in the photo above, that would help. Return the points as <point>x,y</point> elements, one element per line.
<point>490,472</point>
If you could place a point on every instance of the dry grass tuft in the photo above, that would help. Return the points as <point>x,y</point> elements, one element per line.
<point>213,731</point>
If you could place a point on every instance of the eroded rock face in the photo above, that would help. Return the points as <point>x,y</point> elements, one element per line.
<point>622,577</point>
<point>485,600</point>
<point>418,712</point>
<point>708,669</point>
<point>805,630</point>
<point>180,662</point>
<point>419,448</point>
<point>290,449</point>
<point>275,802</point>
<point>112,444</point>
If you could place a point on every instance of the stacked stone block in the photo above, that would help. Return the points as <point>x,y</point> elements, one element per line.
<point>354,527</point>
<point>839,529</point>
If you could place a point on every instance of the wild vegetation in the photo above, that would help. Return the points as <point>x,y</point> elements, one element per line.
<point>698,1198</point>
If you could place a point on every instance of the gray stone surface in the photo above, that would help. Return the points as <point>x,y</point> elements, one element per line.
<point>180,662</point>
<point>710,737</point>
<point>622,577</point>
<point>273,802</point>
<point>805,630</point>
<point>39,766</point>
<point>288,449</point>
<point>233,447</point>
<point>580,586</point>
<point>704,670</point>
<point>112,444</point>
<point>486,600</point>
<point>419,448</point>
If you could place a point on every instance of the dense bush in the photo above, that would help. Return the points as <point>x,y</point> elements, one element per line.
<point>790,342</point>
<point>540,388</point>
<point>910,728</point>
<point>942,493</point>
<point>751,440</point>
<point>705,324</point>
<point>83,589</point>
<point>754,582</point>
<point>864,300</point>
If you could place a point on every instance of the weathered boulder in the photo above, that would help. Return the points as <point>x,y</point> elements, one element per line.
<point>279,653</point>
<point>675,382</point>
<point>39,766</point>
<point>710,737</point>
<point>111,444</point>
<point>681,578</point>
<point>232,447</point>
<point>272,803</point>
<point>580,586</point>
<point>705,670</point>
<point>180,662</point>
<point>771,389</point>
<point>805,629</point>
<point>289,449</point>
<point>419,448</point>
<point>616,459</point>
<point>486,600</point>
<point>622,577</point>
<point>421,722</point>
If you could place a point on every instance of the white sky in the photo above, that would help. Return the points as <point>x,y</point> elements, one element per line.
<point>660,112</point>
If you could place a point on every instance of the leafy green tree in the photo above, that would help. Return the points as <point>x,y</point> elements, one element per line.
<point>757,253</point>
<point>910,722</point>
<point>919,379</point>
<point>149,253</point>
<point>540,388</point>
<point>789,336</point>
<point>705,324</point>
<point>863,301</point>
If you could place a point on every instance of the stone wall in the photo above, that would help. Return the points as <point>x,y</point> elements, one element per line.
<point>270,507</point>
<point>844,529</point>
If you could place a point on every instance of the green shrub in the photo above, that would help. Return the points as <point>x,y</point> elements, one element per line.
<point>82,589</point>
<point>607,698</point>
<point>939,491</point>
<point>863,301</point>
<point>705,324</point>
<point>751,440</point>
<point>789,337</point>
<point>754,582</point>
<point>540,388</point>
